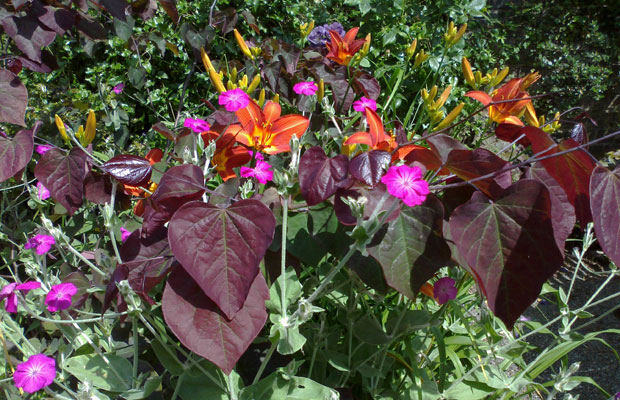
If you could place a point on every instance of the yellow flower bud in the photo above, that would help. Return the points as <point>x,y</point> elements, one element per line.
<point>261,98</point>
<point>442,99</point>
<point>256,51</point>
<point>254,84</point>
<point>321,91</point>
<point>459,34</point>
<point>500,77</point>
<point>432,93</point>
<point>467,73</point>
<point>420,58</point>
<point>347,149</point>
<point>217,81</point>
<point>80,133</point>
<point>61,128</point>
<point>529,79</point>
<point>276,98</point>
<point>233,74</point>
<point>478,77</point>
<point>230,85</point>
<point>242,45</point>
<point>411,49</point>
<point>424,94</point>
<point>206,60</point>
<point>91,125</point>
<point>448,120</point>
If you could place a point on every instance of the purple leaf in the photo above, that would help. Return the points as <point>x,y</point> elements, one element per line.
<point>562,212</point>
<point>412,249</point>
<point>510,132</point>
<point>13,98</point>
<point>203,328</point>
<point>508,245</point>
<point>605,197</point>
<point>111,291</point>
<point>367,84</point>
<point>442,145</point>
<point>90,27</point>
<point>129,169</point>
<point>16,152</point>
<point>470,164</point>
<point>148,260</point>
<point>58,20</point>
<point>343,211</point>
<point>29,35</point>
<point>145,8</point>
<point>97,188</point>
<point>116,7</point>
<point>320,177</point>
<point>221,248</point>
<point>63,175</point>
<point>48,63</point>
<point>171,9</point>
<point>178,185</point>
<point>369,167</point>
<point>579,133</point>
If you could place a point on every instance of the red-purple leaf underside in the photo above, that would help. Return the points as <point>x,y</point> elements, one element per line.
<point>470,164</point>
<point>442,145</point>
<point>320,177</point>
<point>29,34</point>
<point>562,212</point>
<point>203,328</point>
<point>16,152</point>
<point>13,98</point>
<point>509,246</point>
<point>129,169</point>
<point>412,249</point>
<point>63,175</point>
<point>605,204</point>
<point>571,170</point>
<point>171,9</point>
<point>221,248</point>
<point>369,167</point>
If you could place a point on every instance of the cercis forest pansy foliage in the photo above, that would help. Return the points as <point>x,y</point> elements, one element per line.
<point>308,132</point>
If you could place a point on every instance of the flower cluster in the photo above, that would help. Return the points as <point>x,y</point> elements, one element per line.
<point>320,35</point>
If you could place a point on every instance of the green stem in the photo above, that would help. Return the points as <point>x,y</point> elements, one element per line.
<point>177,387</point>
<point>136,352</point>
<point>261,369</point>
<point>283,258</point>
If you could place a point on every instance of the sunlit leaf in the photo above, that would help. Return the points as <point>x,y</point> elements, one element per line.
<point>508,245</point>
<point>129,169</point>
<point>16,152</point>
<point>369,167</point>
<point>605,200</point>
<point>470,164</point>
<point>221,248</point>
<point>13,98</point>
<point>320,177</point>
<point>205,329</point>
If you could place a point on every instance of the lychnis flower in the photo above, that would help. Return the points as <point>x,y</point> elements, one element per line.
<point>124,234</point>
<point>36,373</point>
<point>407,184</point>
<point>41,243</point>
<point>363,103</point>
<point>42,149</point>
<point>197,125</point>
<point>444,290</point>
<point>306,88</point>
<point>59,297</point>
<point>118,89</point>
<point>9,292</point>
<point>234,99</point>
<point>43,192</point>
<point>262,172</point>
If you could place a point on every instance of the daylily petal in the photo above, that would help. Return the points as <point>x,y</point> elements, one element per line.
<point>250,116</point>
<point>283,130</point>
<point>482,97</point>
<point>271,112</point>
<point>359,138</point>
<point>377,134</point>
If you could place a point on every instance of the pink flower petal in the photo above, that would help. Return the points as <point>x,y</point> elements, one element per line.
<point>42,149</point>
<point>43,192</point>
<point>118,89</point>
<point>234,99</point>
<point>197,125</point>
<point>363,103</point>
<point>306,88</point>
<point>60,296</point>
<point>406,183</point>
<point>36,373</point>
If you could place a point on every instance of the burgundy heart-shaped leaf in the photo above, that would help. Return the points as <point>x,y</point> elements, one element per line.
<point>129,169</point>
<point>605,198</point>
<point>221,248</point>
<point>13,98</point>
<point>562,212</point>
<point>443,144</point>
<point>412,249</point>
<point>203,328</point>
<point>171,9</point>
<point>29,34</point>
<point>370,166</point>
<point>509,246</point>
<point>63,175</point>
<point>177,186</point>
<point>148,260</point>
<point>511,132</point>
<point>470,164</point>
<point>97,188</point>
<point>320,176</point>
<point>571,170</point>
<point>16,152</point>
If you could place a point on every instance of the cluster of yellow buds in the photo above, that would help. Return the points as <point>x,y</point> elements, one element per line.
<point>85,136</point>
<point>306,28</point>
<point>364,50</point>
<point>216,77</point>
<point>420,58</point>
<point>251,53</point>
<point>452,36</point>
<point>434,107</point>
<point>539,122</point>
<point>475,80</point>
<point>242,83</point>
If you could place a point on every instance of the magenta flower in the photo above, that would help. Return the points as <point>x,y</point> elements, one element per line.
<point>42,149</point>
<point>306,88</point>
<point>36,373</point>
<point>617,396</point>
<point>444,290</point>
<point>9,292</point>
<point>362,104</point>
<point>407,184</point>
<point>124,234</point>
<point>118,89</point>
<point>197,125</point>
<point>59,297</point>
<point>41,243</point>
<point>262,172</point>
<point>43,193</point>
<point>234,99</point>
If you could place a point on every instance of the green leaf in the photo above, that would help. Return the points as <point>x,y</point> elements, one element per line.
<point>137,77</point>
<point>124,29</point>
<point>149,387</point>
<point>94,369</point>
<point>276,387</point>
<point>369,330</point>
<point>171,364</point>
<point>196,385</point>
<point>293,292</point>
<point>290,340</point>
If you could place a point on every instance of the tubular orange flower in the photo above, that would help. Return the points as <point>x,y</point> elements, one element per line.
<point>375,138</point>
<point>265,130</point>
<point>508,111</point>
<point>342,50</point>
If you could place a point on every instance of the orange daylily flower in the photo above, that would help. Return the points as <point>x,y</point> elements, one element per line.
<point>226,156</point>
<point>510,111</point>
<point>375,138</point>
<point>265,130</point>
<point>342,50</point>
<point>154,156</point>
